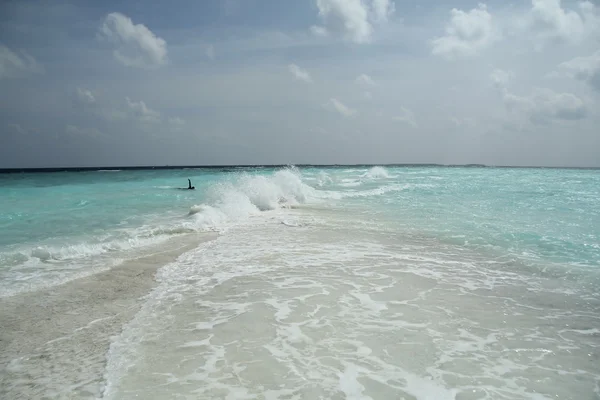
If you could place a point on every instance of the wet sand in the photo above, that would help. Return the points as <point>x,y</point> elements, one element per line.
<point>53,342</point>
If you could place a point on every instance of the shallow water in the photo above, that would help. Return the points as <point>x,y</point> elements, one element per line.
<point>351,283</point>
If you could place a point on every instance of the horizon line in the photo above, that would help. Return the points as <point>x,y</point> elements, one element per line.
<point>299,165</point>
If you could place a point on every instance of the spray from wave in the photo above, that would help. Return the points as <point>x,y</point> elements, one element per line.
<point>323,179</point>
<point>249,195</point>
<point>376,173</point>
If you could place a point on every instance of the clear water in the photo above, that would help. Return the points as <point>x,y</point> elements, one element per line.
<point>58,226</point>
<point>362,283</point>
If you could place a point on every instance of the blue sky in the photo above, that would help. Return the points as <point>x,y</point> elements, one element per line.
<point>304,81</point>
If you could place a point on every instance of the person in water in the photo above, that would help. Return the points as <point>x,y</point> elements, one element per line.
<point>190,187</point>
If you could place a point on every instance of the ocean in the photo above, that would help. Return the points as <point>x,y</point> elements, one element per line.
<point>358,282</point>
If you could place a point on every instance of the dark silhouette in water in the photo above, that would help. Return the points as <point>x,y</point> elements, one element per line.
<point>190,187</point>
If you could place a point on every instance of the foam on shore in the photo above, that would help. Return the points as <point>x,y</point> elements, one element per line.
<point>54,341</point>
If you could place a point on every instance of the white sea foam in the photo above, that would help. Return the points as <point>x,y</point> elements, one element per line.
<point>49,265</point>
<point>250,195</point>
<point>333,311</point>
<point>376,173</point>
<point>323,178</point>
<point>350,182</point>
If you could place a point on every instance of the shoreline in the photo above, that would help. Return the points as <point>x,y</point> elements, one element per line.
<point>53,342</point>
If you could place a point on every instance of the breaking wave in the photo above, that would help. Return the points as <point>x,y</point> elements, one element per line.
<point>249,195</point>
<point>376,173</point>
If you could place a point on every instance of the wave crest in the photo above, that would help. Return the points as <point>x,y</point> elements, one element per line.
<point>376,173</point>
<point>249,195</point>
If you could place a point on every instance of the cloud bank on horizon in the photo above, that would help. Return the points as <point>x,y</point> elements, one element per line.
<point>312,81</point>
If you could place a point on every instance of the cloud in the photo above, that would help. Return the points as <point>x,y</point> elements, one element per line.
<point>140,111</point>
<point>176,122</point>
<point>467,33</point>
<point>13,65</point>
<point>222,80</point>
<point>85,96</point>
<point>470,122</point>
<point>16,128</point>
<point>586,68</point>
<point>354,19</point>
<point>341,108</point>
<point>136,45</point>
<point>406,116</point>
<point>85,101</point>
<point>210,52</point>
<point>299,73</point>
<point>549,21</point>
<point>383,9</point>
<point>231,7</point>
<point>130,111</point>
<point>545,105</point>
<point>500,78</point>
<point>366,80</point>
<point>319,31</point>
<point>79,131</point>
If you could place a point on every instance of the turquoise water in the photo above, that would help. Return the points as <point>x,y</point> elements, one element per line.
<point>547,214</point>
<point>423,283</point>
<point>537,215</point>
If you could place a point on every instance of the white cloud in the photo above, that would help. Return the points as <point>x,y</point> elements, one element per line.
<point>13,65</point>
<point>466,34</point>
<point>319,31</point>
<point>549,21</point>
<point>299,73</point>
<point>542,105</point>
<point>136,45</point>
<point>85,96</point>
<point>383,9</point>
<point>132,111</point>
<point>545,105</point>
<point>341,107</point>
<point>353,18</point>
<point>406,116</point>
<point>344,98</point>
<point>79,131</point>
<point>142,112</point>
<point>348,17</point>
<point>364,79</point>
<point>586,69</point>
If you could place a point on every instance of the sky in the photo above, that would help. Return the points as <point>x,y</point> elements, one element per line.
<point>129,83</point>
